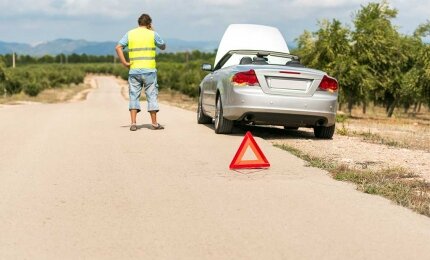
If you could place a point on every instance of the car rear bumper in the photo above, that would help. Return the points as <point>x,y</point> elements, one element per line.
<point>252,104</point>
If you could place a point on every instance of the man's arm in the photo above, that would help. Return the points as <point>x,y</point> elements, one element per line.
<point>121,56</point>
<point>159,41</point>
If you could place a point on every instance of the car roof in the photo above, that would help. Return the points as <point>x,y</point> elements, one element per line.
<point>251,37</point>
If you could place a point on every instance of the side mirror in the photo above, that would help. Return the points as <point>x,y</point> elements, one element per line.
<point>207,67</point>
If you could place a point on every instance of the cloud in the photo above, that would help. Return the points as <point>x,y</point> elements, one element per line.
<point>29,21</point>
<point>323,3</point>
<point>65,8</point>
<point>223,3</point>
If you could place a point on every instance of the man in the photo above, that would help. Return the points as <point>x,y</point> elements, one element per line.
<point>141,43</point>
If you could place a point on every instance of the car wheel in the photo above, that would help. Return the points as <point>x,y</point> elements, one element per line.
<point>201,117</point>
<point>324,132</point>
<point>222,125</point>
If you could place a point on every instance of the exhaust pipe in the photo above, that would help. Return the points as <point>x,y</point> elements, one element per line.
<point>248,120</point>
<point>320,122</point>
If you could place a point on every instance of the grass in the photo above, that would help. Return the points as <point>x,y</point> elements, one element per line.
<point>343,130</point>
<point>413,126</point>
<point>378,112</point>
<point>402,130</point>
<point>396,184</point>
<point>341,117</point>
<point>370,137</point>
<point>376,138</point>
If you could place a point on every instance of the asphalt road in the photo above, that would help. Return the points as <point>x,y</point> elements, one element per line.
<point>75,183</point>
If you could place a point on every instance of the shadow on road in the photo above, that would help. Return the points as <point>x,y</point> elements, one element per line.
<point>271,132</point>
<point>147,126</point>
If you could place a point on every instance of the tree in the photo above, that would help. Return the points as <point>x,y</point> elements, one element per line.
<point>329,50</point>
<point>423,74</point>
<point>422,65</point>
<point>2,77</point>
<point>305,47</point>
<point>378,45</point>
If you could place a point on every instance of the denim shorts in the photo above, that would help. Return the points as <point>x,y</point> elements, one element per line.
<point>147,81</point>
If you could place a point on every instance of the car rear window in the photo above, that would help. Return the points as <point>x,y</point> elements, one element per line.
<point>270,60</point>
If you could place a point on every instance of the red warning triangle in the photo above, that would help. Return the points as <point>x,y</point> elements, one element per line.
<point>238,161</point>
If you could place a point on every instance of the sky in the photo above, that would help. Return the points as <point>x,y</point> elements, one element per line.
<point>38,21</point>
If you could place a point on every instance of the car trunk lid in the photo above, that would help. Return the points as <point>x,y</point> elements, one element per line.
<point>289,81</point>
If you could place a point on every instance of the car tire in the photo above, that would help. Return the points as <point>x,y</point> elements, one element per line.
<point>222,125</point>
<point>291,128</point>
<point>201,117</point>
<point>324,132</point>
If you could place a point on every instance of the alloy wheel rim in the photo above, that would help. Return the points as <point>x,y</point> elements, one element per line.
<point>199,109</point>
<point>217,113</point>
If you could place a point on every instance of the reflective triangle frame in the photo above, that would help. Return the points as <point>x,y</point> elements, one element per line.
<point>238,163</point>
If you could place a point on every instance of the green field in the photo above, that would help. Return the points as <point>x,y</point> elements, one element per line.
<point>179,72</point>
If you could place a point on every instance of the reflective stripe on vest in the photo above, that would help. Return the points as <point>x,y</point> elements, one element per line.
<point>141,48</point>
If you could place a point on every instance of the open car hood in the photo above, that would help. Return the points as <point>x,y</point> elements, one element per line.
<point>251,37</point>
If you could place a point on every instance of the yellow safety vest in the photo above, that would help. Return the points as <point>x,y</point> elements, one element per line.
<point>141,48</point>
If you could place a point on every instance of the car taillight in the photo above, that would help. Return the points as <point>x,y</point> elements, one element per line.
<point>245,78</point>
<point>328,84</point>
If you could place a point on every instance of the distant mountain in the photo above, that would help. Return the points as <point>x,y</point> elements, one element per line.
<point>175,45</point>
<point>68,46</point>
<point>8,47</point>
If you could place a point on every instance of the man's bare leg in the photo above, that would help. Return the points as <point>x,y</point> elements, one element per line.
<point>153,118</point>
<point>133,115</point>
<point>155,125</point>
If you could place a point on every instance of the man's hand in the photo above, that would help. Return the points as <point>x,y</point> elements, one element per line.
<point>121,57</point>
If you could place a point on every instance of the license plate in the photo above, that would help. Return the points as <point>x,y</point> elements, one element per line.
<point>289,84</point>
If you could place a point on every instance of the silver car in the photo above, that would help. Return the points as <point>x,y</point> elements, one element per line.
<point>260,83</point>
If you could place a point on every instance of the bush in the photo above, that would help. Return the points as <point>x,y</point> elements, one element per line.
<point>13,84</point>
<point>2,79</point>
<point>32,79</point>
<point>2,88</point>
<point>32,89</point>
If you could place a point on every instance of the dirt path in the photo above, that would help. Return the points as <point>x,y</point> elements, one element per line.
<point>75,183</point>
<point>354,152</point>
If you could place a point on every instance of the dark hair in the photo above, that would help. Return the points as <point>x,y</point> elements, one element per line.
<point>144,20</point>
